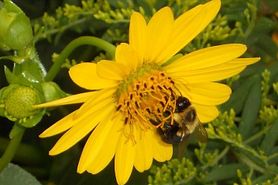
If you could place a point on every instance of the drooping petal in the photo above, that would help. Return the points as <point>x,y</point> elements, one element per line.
<point>161,150</point>
<point>144,153</point>
<point>206,113</point>
<point>127,56</point>
<point>83,126</point>
<point>124,159</point>
<point>206,93</point>
<point>111,70</point>
<point>100,146</point>
<point>72,99</point>
<point>188,26</point>
<point>207,57</point>
<point>137,34</point>
<point>85,75</point>
<point>159,31</point>
<point>105,154</point>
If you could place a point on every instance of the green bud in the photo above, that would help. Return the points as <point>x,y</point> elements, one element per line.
<point>15,28</point>
<point>17,103</point>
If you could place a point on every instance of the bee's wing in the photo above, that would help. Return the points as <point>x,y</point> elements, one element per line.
<point>182,147</point>
<point>200,133</point>
<point>183,144</point>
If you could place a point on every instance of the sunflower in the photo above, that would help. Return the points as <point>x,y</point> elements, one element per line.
<point>143,81</point>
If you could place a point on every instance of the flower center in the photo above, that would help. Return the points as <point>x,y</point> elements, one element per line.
<point>147,98</point>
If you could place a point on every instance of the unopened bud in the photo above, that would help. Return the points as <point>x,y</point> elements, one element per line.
<point>15,28</point>
<point>18,101</point>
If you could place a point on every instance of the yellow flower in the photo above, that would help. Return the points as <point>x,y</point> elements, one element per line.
<point>139,86</point>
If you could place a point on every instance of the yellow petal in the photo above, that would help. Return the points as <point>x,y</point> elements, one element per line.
<point>144,153</point>
<point>214,73</point>
<point>124,159</point>
<point>100,143</point>
<point>207,57</point>
<point>85,75</point>
<point>127,56</point>
<point>243,61</point>
<point>111,70</point>
<point>206,93</point>
<point>106,153</point>
<point>137,34</point>
<point>229,65</point>
<point>98,101</point>
<point>206,113</point>
<point>161,150</point>
<point>159,31</point>
<point>188,26</point>
<point>210,75</point>
<point>60,126</point>
<point>80,129</point>
<point>72,99</point>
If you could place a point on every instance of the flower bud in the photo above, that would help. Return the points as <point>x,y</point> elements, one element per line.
<point>17,102</point>
<point>15,28</point>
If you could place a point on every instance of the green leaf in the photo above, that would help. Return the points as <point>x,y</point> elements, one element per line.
<point>251,108</point>
<point>224,172</point>
<point>272,4</point>
<point>270,138</point>
<point>264,25</point>
<point>15,175</point>
<point>239,96</point>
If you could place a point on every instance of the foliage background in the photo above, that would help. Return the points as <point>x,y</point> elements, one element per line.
<point>242,146</point>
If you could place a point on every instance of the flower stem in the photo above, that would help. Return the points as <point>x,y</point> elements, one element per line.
<point>28,154</point>
<point>83,40</point>
<point>12,147</point>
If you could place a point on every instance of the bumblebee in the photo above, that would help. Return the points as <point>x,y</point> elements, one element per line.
<point>185,123</point>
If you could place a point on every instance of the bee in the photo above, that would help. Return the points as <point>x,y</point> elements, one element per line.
<point>185,123</point>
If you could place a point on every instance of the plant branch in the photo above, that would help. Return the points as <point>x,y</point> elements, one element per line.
<point>83,40</point>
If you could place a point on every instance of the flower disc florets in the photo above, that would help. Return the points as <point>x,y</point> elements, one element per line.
<point>18,102</point>
<point>147,97</point>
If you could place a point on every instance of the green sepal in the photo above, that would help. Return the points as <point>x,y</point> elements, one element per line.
<point>31,121</point>
<point>2,110</point>
<point>27,73</point>
<point>29,70</point>
<point>52,91</point>
<point>18,79</point>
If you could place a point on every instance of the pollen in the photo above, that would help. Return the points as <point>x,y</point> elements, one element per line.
<point>148,100</point>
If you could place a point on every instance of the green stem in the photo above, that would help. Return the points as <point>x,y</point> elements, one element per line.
<point>252,23</point>
<point>12,147</point>
<point>84,40</point>
<point>251,164</point>
<point>257,135</point>
<point>273,156</point>
<point>28,153</point>
<point>218,158</point>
